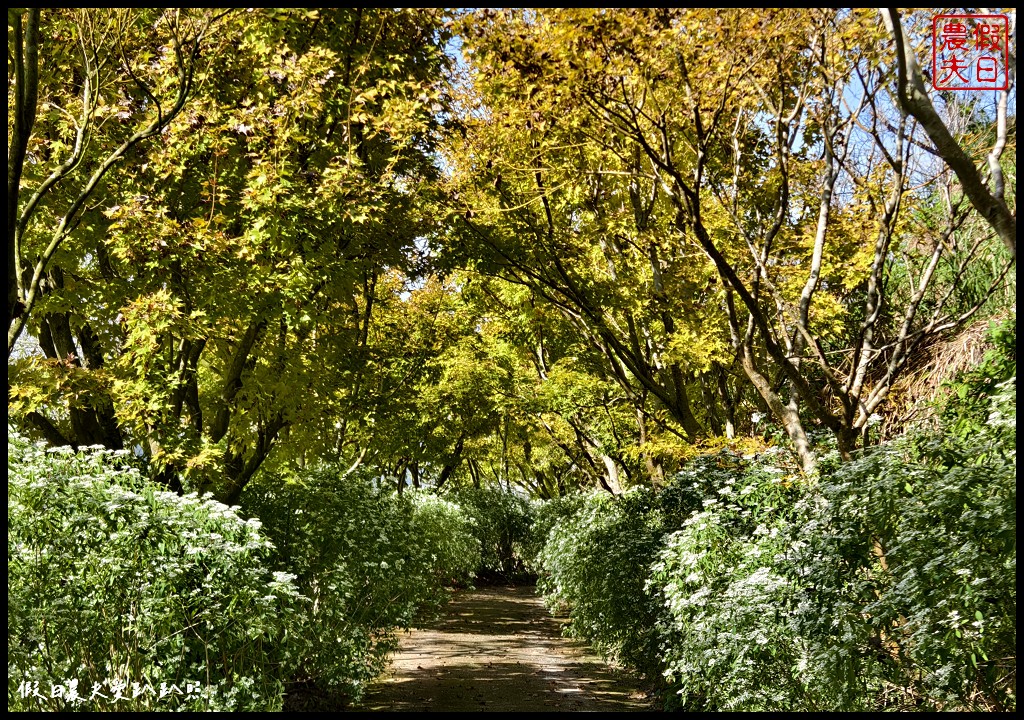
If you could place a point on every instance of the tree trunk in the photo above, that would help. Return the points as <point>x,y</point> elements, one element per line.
<point>612,484</point>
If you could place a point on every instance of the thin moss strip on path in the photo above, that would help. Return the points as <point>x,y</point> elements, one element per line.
<point>499,649</point>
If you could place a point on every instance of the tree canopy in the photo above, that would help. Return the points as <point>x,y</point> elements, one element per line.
<point>316,314</point>
<point>543,248</point>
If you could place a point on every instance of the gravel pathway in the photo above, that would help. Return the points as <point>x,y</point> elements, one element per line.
<point>498,649</point>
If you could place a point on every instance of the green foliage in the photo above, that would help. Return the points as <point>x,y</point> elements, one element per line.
<point>967,408</point>
<point>615,561</point>
<point>728,643</point>
<point>449,535</point>
<point>298,176</point>
<point>913,563</point>
<point>113,581</point>
<point>889,584</point>
<point>539,276</point>
<point>502,522</point>
<point>548,514</point>
<point>596,563</point>
<point>370,561</point>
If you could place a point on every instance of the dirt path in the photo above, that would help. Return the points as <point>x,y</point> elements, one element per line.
<point>499,649</point>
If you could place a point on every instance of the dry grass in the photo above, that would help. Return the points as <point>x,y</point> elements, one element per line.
<point>916,395</point>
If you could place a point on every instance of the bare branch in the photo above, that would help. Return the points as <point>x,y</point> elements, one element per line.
<point>914,100</point>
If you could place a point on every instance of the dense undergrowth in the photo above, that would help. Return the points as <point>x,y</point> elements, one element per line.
<point>124,596</point>
<point>886,582</point>
<point>368,562</point>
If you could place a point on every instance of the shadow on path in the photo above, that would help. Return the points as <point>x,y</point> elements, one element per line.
<point>498,649</point>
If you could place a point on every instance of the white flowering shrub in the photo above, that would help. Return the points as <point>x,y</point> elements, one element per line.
<point>371,562</point>
<point>123,596</point>
<point>889,582</point>
<point>912,560</point>
<point>728,641</point>
<point>596,563</point>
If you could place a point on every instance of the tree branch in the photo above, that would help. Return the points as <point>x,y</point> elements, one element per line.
<point>914,100</point>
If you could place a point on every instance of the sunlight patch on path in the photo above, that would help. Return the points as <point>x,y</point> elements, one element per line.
<point>498,649</point>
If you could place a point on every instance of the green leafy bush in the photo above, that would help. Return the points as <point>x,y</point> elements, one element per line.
<point>967,407</point>
<point>913,563</point>
<point>502,521</point>
<point>547,514</point>
<point>448,538</point>
<point>596,562</point>
<point>889,583</point>
<point>117,587</point>
<point>370,561</point>
<point>728,642</point>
